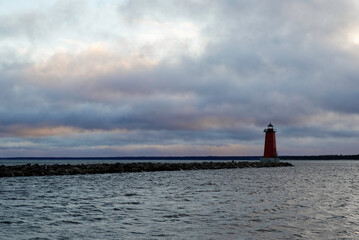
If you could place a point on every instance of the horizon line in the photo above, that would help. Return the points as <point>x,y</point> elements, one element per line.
<point>182,157</point>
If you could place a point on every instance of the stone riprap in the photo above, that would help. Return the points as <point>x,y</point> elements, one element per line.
<point>68,169</point>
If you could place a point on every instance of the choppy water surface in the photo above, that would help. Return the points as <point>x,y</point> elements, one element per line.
<point>313,200</point>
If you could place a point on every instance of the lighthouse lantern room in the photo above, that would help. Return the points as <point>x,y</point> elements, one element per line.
<point>270,148</point>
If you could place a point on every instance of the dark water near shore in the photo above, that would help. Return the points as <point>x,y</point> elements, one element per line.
<point>313,200</point>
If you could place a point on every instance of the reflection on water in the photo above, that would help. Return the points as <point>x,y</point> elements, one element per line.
<point>313,200</point>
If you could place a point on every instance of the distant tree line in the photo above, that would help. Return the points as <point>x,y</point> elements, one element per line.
<point>145,158</point>
<point>322,157</point>
<point>205,158</point>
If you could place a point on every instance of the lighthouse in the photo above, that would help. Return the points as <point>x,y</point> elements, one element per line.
<point>270,148</point>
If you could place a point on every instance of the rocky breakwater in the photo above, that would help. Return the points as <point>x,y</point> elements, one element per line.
<point>67,169</point>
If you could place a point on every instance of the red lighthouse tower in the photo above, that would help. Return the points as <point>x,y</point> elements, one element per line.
<point>270,148</point>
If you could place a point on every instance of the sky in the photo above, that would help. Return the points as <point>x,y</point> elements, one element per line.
<point>178,77</point>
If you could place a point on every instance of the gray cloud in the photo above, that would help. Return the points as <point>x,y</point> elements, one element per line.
<point>279,61</point>
<point>37,24</point>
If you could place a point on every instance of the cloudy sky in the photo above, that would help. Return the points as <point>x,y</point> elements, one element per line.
<point>178,77</point>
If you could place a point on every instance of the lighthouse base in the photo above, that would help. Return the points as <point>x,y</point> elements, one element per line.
<point>269,160</point>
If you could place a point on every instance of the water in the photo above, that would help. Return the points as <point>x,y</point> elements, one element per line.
<point>313,200</point>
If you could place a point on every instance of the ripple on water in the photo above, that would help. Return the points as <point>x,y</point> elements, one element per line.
<point>313,200</point>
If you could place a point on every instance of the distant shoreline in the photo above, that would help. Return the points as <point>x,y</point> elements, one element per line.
<point>143,158</point>
<point>321,157</point>
<point>246,158</point>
